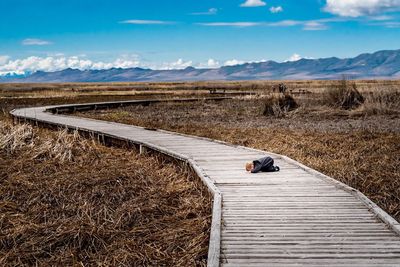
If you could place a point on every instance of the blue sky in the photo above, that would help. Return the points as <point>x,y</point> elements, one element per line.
<point>51,35</point>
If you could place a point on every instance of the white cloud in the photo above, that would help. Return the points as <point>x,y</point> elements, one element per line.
<point>253,3</point>
<point>285,23</point>
<point>387,24</point>
<point>231,24</point>
<point>33,63</point>
<point>380,18</point>
<point>57,54</point>
<point>146,22</point>
<point>34,41</point>
<point>294,57</point>
<point>211,11</point>
<point>276,9</point>
<point>179,64</point>
<point>54,63</point>
<point>308,25</point>
<point>211,63</point>
<point>4,59</point>
<point>233,62</point>
<point>314,26</point>
<point>357,8</point>
<point>391,24</point>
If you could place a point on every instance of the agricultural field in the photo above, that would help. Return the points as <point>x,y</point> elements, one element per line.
<point>127,209</point>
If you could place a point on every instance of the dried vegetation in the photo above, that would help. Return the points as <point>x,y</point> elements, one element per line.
<point>279,105</point>
<point>384,102</point>
<point>67,201</point>
<point>344,95</point>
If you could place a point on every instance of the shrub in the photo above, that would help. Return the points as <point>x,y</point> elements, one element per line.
<point>279,104</point>
<point>343,95</point>
<point>381,102</point>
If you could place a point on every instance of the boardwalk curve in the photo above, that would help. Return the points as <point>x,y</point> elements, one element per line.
<point>297,217</point>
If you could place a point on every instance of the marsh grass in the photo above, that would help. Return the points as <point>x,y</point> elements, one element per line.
<point>67,201</point>
<point>15,137</point>
<point>343,94</point>
<point>381,102</point>
<point>279,105</point>
<point>63,147</point>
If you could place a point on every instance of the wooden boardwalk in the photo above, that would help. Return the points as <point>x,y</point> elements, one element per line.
<point>295,217</point>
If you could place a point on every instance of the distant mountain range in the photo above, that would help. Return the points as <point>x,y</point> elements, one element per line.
<point>379,65</point>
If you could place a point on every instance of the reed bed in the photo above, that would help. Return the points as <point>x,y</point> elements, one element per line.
<point>68,201</point>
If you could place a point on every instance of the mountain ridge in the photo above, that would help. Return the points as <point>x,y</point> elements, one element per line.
<point>384,64</point>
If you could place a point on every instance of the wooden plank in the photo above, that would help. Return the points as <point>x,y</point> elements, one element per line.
<point>305,227</point>
<point>349,248</point>
<point>286,222</point>
<point>306,235</point>
<point>312,262</point>
<point>295,256</point>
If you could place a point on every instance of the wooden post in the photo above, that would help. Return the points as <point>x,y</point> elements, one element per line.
<point>142,149</point>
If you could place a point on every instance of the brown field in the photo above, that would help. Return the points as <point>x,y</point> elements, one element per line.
<point>52,216</point>
<point>314,86</point>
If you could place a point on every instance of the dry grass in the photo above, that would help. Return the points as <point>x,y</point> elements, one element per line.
<point>69,89</point>
<point>27,100</point>
<point>382,102</point>
<point>343,94</point>
<point>15,137</point>
<point>66,201</point>
<point>361,151</point>
<point>279,105</point>
<point>62,147</point>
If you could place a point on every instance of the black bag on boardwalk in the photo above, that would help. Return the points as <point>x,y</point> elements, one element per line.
<point>265,164</point>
